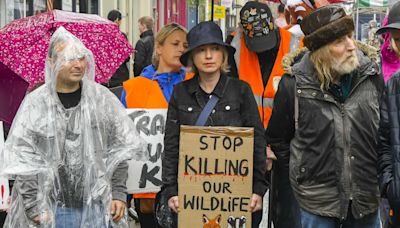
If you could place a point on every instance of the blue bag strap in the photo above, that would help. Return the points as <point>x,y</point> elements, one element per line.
<point>205,113</point>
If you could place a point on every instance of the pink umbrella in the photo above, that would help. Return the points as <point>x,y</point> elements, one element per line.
<point>12,92</point>
<point>24,43</point>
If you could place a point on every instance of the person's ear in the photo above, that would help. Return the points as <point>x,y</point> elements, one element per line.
<point>157,48</point>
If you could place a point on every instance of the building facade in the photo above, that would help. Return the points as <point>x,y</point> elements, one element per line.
<point>185,12</point>
<point>16,9</point>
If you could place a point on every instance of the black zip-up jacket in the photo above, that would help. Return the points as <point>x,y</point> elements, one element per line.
<point>187,102</point>
<point>333,157</point>
<point>143,52</point>
<point>389,144</point>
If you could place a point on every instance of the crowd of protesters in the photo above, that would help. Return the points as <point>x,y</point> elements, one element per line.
<point>324,108</point>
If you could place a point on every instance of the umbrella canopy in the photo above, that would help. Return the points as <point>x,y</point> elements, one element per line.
<point>12,92</point>
<point>24,43</point>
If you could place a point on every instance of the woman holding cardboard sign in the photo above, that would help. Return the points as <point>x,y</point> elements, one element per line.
<point>152,89</point>
<point>229,102</point>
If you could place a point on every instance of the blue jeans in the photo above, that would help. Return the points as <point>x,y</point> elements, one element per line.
<point>309,220</point>
<point>68,217</point>
<point>72,218</point>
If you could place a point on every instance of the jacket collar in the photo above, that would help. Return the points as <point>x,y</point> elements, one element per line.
<point>194,86</point>
<point>146,33</point>
<point>150,73</point>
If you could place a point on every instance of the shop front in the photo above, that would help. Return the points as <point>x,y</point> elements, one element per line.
<point>15,9</point>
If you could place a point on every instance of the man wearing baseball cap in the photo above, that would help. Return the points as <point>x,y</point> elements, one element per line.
<point>260,47</point>
<point>388,149</point>
<point>326,116</point>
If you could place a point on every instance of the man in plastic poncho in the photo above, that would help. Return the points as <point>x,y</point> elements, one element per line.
<point>68,147</point>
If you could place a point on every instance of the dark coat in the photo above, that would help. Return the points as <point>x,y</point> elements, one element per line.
<point>121,74</point>
<point>143,52</point>
<point>389,143</point>
<point>333,153</point>
<point>184,108</point>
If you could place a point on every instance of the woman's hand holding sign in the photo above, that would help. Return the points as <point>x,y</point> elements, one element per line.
<point>173,203</point>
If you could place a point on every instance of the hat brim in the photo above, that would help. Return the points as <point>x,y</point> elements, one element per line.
<point>261,44</point>
<point>387,28</point>
<point>185,56</point>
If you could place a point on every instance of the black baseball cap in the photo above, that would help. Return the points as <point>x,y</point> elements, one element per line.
<point>258,26</point>
<point>393,19</point>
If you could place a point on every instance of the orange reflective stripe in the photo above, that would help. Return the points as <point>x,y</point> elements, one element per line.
<point>150,195</point>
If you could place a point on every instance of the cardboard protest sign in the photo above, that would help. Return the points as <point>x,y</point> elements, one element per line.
<point>4,187</point>
<point>215,176</point>
<point>146,176</point>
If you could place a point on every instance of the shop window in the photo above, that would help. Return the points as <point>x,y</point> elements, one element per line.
<point>82,6</point>
<point>16,9</point>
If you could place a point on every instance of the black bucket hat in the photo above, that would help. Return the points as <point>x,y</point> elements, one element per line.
<point>393,20</point>
<point>206,32</point>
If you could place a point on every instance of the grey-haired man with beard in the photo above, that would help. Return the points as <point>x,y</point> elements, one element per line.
<point>326,117</point>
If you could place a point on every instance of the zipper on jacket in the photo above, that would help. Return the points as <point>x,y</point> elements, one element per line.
<point>347,161</point>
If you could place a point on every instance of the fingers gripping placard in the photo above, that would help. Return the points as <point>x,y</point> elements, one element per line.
<point>215,176</point>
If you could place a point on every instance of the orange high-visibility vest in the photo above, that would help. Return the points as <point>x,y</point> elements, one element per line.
<point>249,70</point>
<point>142,92</point>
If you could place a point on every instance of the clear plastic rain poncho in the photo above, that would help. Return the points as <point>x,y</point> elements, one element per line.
<point>69,160</point>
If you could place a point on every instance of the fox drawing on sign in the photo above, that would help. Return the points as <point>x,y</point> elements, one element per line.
<point>211,223</point>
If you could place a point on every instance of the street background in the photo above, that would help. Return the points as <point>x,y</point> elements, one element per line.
<point>185,12</point>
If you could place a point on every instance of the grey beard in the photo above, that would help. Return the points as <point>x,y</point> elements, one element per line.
<point>346,67</point>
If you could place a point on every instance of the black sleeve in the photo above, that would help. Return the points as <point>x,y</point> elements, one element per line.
<point>139,58</point>
<point>233,71</point>
<point>171,149</point>
<point>384,147</point>
<point>127,40</point>
<point>251,118</point>
<point>281,124</point>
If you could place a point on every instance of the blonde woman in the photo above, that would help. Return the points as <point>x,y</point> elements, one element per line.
<point>153,89</point>
<point>207,56</point>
